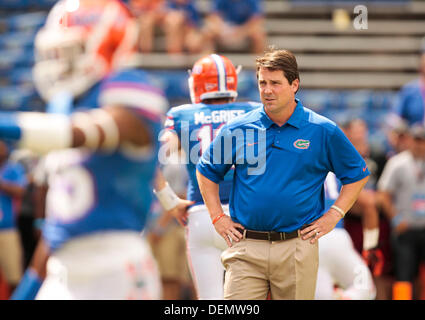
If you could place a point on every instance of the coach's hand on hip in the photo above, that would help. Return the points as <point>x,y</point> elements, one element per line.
<point>347,196</point>
<point>321,226</point>
<point>226,228</point>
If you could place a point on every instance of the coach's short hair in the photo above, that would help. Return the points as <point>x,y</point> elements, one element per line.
<point>279,59</point>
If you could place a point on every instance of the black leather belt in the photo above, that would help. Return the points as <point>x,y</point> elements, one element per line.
<point>270,235</point>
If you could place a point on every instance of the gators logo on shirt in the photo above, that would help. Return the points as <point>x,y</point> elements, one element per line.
<point>302,144</point>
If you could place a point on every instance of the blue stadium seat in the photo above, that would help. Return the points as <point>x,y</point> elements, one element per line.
<point>26,21</point>
<point>45,4</point>
<point>17,40</point>
<point>21,76</point>
<point>383,99</point>
<point>247,86</point>
<point>173,83</point>
<point>13,98</point>
<point>356,99</point>
<point>26,4</point>
<point>14,4</point>
<point>12,59</point>
<point>318,100</point>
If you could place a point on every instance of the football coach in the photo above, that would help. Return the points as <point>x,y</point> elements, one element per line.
<point>277,206</point>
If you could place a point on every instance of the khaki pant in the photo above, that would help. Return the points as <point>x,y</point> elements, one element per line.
<point>287,268</point>
<point>11,255</point>
<point>170,254</point>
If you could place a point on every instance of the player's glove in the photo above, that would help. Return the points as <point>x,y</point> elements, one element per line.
<point>374,259</point>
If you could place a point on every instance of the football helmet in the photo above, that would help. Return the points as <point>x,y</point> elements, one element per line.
<point>80,43</point>
<point>213,77</point>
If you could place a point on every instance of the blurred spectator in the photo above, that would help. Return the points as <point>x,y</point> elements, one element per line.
<point>357,132</point>
<point>12,187</point>
<point>178,20</point>
<point>364,223</point>
<point>397,135</point>
<point>149,14</point>
<point>182,26</point>
<point>411,101</point>
<point>232,22</point>
<point>402,190</point>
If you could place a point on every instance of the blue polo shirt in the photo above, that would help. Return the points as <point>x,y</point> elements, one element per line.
<point>411,102</point>
<point>280,171</point>
<point>237,11</point>
<point>189,8</point>
<point>13,173</point>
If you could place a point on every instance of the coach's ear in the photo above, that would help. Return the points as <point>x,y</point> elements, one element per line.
<point>295,85</point>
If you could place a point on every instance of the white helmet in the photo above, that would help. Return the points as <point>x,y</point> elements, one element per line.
<point>81,42</point>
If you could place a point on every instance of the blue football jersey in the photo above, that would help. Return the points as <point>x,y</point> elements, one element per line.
<point>196,126</point>
<point>95,192</point>
<point>332,188</point>
<point>10,172</point>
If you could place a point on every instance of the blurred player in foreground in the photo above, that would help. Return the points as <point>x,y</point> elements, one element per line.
<point>339,263</point>
<point>213,89</point>
<point>100,183</point>
<point>12,188</point>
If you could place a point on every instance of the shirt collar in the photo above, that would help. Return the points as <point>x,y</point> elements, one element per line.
<point>264,118</point>
<point>295,120</point>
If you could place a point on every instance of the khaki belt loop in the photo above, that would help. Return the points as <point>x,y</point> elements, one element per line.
<point>244,233</point>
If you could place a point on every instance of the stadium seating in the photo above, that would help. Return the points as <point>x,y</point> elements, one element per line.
<point>344,71</point>
<point>18,5</point>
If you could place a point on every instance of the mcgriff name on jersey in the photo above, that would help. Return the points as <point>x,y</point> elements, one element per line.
<point>217,116</point>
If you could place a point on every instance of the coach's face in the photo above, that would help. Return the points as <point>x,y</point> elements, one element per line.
<point>276,93</point>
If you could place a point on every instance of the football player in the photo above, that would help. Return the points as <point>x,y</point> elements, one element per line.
<point>342,274</point>
<point>101,179</point>
<point>213,90</point>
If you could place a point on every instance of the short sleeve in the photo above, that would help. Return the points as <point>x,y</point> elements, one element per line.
<point>345,161</point>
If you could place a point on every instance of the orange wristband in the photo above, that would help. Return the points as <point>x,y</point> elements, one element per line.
<point>218,218</point>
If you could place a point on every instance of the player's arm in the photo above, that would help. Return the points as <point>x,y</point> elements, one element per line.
<point>215,162</point>
<point>99,129</point>
<point>172,203</point>
<point>34,275</point>
<point>12,189</point>
<point>366,205</point>
<point>347,196</point>
<point>223,224</point>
